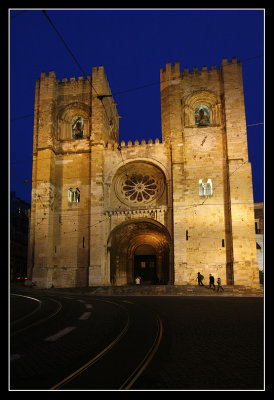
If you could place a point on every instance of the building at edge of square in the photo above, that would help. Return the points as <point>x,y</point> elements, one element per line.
<point>105,212</point>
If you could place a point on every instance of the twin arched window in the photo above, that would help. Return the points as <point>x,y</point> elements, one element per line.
<point>205,189</point>
<point>73,195</point>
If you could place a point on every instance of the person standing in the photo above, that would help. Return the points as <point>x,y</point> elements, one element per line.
<point>200,279</point>
<point>138,280</point>
<point>211,281</point>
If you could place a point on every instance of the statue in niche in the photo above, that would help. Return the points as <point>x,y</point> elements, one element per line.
<point>77,128</point>
<point>202,115</point>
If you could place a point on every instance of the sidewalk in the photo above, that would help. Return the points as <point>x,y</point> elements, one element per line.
<point>154,290</point>
<point>171,290</point>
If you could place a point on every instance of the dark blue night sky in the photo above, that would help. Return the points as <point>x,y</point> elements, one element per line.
<point>132,45</point>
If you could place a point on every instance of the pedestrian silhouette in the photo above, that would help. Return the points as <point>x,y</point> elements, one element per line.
<point>219,286</point>
<point>200,279</point>
<point>211,281</point>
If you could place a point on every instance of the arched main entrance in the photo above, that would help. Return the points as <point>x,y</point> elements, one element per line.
<point>145,264</point>
<point>140,248</point>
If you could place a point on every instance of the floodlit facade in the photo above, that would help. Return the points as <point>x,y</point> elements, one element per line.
<point>105,212</point>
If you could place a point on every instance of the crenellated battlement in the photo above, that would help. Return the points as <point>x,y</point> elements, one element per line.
<point>97,73</point>
<point>134,145</point>
<point>50,80</point>
<point>171,73</point>
<point>73,79</point>
<point>137,143</point>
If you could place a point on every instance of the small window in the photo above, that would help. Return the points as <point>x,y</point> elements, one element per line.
<point>77,128</point>
<point>201,188</point>
<point>209,189</point>
<point>205,189</point>
<point>77,195</point>
<point>202,115</point>
<point>74,195</point>
<point>70,195</point>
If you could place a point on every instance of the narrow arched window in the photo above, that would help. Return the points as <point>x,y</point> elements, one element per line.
<point>209,188</point>
<point>201,188</point>
<point>202,115</point>
<point>70,195</point>
<point>77,195</point>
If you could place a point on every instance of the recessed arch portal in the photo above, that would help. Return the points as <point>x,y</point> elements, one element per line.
<point>140,241</point>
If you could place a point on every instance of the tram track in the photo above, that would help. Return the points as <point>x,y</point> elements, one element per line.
<point>142,364</point>
<point>129,382</point>
<point>120,350</point>
<point>99,355</point>
<point>131,348</point>
<point>31,314</point>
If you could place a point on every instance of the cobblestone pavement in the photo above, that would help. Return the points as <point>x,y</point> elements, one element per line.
<point>208,343</point>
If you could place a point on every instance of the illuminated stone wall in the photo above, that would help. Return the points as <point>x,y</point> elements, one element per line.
<point>189,196</point>
<point>61,252</point>
<point>212,233</point>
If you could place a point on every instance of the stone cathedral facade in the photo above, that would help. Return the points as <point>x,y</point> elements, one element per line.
<point>104,212</point>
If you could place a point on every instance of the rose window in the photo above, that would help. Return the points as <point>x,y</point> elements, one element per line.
<point>139,188</point>
<point>139,183</point>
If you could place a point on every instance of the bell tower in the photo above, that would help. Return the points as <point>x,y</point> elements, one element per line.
<point>73,121</point>
<point>203,121</point>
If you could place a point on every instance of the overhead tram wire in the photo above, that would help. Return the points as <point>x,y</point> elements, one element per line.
<point>126,90</point>
<point>67,47</point>
<point>32,115</point>
<point>100,97</point>
<point>105,218</point>
<point>19,13</point>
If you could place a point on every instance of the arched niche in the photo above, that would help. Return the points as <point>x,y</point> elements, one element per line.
<point>74,122</point>
<point>202,100</point>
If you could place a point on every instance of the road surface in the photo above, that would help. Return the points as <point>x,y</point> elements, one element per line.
<point>69,341</point>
